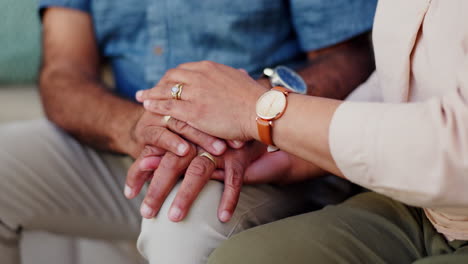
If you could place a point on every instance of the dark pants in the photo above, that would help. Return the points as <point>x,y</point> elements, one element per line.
<point>368,228</point>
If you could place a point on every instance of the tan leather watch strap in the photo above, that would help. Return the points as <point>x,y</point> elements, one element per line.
<point>286,91</point>
<point>264,131</point>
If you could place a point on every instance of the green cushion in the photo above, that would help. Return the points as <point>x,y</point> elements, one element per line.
<point>19,41</point>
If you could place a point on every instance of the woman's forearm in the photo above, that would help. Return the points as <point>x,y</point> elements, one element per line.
<point>303,130</point>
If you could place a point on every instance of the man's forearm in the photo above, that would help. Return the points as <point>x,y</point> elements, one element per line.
<point>336,71</point>
<point>92,114</point>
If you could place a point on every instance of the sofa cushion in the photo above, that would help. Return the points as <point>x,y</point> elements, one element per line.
<point>19,41</point>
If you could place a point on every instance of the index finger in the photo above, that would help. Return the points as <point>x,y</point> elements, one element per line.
<point>141,169</point>
<point>163,90</point>
<point>165,177</point>
<point>197,175</point>
<point>212,144</point>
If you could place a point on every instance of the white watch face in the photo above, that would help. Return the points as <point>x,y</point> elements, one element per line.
<point>271,104</point>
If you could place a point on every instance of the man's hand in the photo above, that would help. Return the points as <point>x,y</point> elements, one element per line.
<point>89,111</point>
<point>166,133</point>
<point>199,171</point>
<point>279,167</point>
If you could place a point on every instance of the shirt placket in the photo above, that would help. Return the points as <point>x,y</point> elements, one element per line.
<point>156,64</point>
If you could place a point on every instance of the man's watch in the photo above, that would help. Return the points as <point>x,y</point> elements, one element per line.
<point>270,106</point>
<point>286,77</point>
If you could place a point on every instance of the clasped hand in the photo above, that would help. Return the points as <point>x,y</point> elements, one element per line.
<point>219,101</point>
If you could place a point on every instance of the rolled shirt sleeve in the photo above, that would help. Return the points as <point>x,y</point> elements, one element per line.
<point>82,5</point>
<point>416,153</point>
<point>322,23</point>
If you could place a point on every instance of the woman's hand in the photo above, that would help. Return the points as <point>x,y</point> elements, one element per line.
<point>215,99</point>
<point>163,170</point>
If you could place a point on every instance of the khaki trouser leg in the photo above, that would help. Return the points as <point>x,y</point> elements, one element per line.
<point>50,182</point>
<point>192,240</point>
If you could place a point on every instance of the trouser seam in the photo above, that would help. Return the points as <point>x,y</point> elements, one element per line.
<point>243,215</point>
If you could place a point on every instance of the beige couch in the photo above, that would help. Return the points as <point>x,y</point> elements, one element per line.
<point>22,103</point>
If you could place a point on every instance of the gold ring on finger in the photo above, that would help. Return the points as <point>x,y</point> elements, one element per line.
<point>176,91</point>
<point>209,156</point>
<point>166,119</point>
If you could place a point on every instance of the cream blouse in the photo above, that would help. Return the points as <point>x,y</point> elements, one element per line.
<point>414,147</point>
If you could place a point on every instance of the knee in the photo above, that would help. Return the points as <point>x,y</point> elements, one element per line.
<point>189,241</point>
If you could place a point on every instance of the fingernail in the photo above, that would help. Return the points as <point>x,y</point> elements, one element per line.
<point>146,103</point>
<point>225,216</point>
<point>139,94</point>
<point>128,191</point>
<point>175,213</point>
<point>146,211</point>
<point>219,146</point>
<point>181,149</point>
<point>238,143</point>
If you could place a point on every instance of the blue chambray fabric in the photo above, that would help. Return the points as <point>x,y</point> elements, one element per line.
<point>144,38</point>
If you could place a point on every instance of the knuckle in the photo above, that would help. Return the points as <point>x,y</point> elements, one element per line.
<point>148,151</point>
<point>207,64</point>
<point>170,74</point>
<point>198,168</point>
<point>153,196</point>
<point>185,196</point>
<point>155,135</point>
<point>198,78</point>
<point>181,126</point>
<point>151,106</point>
<point>166,106</point>
<point>169,161</point>
<point>192,150</point>
<point>237,175</point>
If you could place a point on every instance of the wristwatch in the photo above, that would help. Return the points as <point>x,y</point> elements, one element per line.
<point>270,107</point>
<point>286,77</point>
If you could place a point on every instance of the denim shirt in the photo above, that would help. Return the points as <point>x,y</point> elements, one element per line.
<point>142,39</point>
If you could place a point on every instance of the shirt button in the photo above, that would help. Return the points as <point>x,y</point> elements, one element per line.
<point>158,50</point>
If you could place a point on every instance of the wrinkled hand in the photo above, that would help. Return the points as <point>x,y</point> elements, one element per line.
<point>153,130</point>
<point>198,171</point>
<point>279,167</point>
<point>216,99</point>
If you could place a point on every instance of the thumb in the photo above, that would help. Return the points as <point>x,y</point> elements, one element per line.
<point>270,167</point>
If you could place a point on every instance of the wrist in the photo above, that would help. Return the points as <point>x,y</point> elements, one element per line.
<point>124,133</point>
<point>265,82</point>
<point>251,124</point>
<point>251,131</point>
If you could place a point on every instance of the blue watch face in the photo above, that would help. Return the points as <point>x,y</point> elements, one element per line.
<point>291,79</point>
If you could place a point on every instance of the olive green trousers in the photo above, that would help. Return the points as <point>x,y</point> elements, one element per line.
<point>368,228</point>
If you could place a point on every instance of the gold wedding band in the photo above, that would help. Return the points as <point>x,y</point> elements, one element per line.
<point>176,91</point>
<point>166,119</point>
<point>209,156</point>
